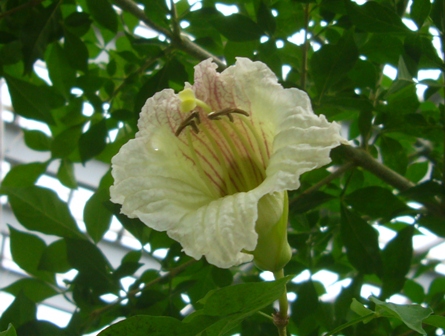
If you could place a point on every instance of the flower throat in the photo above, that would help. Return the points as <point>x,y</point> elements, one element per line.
<point>228,151</point>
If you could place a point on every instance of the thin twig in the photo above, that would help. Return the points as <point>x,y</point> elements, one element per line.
<point>305,49</point>
<point>324,181</point>
<point>173,272</point>
<point>31,3</point>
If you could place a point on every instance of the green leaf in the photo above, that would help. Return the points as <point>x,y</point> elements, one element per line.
<point>368,201</point>
<point>146,325</point>
<point>37,140</point>
<point>103,13</point>
<point>134,225</point>
<point>66,142</point>
<point>94,269</point>
<point>24,175</point>
<point>11,52</point>
<point>411,315</point>
<point>129,264</point>
<point>420,9</point>
<point>40,209</point>
<point>414,291</point>
<point>221,277</point>
<point>54,258</point>
<point>65,174</point>
<point>26,250</point>
<point>422,51</point>
<point>97,217</point>
<point>40,328</point>
<point>76,51</point>
<point>93,141</point>
<point>78,23</point>
<point>332,62</point>
<point>361,242</point>
<point>32,101</point>
<point>360,309</point>
<point>60,71</point>
<point>396,257</point>
<point>375,18</point>
<point>438,15</point>
<point>383,48</point>
<point>35,289</point>
<point>9,332</point>
<point>239,49</point>
<point>225,308</point>
<point>394,155</point>
<point>306,308</point>
<point>417,171</point>
<point>157,11</point>
<point>237,27</point>
<point>435,320</point>
<point>265,18</point>
<point>21,311</point>
<point>42,27</point>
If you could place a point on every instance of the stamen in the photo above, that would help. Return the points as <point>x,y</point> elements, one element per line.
<point>193,120</point>
<point>226,112</point>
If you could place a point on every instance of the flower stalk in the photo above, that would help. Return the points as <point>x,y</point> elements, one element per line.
<point>281,318</point>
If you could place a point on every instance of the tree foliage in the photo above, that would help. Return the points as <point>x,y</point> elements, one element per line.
<point>95,54</point>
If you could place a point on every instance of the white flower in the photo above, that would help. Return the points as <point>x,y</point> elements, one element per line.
<point>203,158</point>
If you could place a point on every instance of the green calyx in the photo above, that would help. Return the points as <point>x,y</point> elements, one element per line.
<point>272,252</point>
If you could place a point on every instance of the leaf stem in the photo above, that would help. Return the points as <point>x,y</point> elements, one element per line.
<point>281,318</point>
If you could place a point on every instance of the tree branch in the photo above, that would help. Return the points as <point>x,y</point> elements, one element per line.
<point>178,41</point>
<point>131,7</point>
<point>365,160</point>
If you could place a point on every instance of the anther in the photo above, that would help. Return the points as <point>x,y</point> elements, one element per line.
<point>226,112</point>
<point>193,120</point>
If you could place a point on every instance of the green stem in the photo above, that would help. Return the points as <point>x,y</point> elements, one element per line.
<point>281,319</point>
